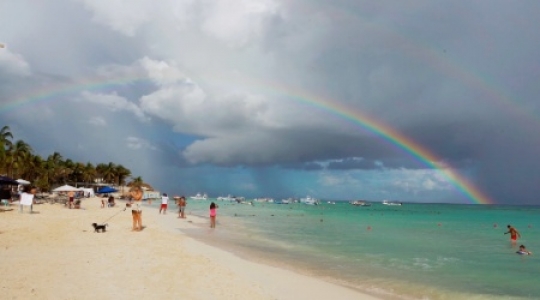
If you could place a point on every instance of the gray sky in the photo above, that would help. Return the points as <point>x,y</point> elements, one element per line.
<point>220,96</point>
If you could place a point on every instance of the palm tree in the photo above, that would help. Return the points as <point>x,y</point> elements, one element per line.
<point>121,173</point>
<point>5,143</point>
<point>136,182</point>
<point>89,173</point>
<point>17,154</point>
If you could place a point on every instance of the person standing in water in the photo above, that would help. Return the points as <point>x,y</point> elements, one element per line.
<point>182,207</point>
<point>213,214</point>
<point>136,208</point>
<point>514,234</point>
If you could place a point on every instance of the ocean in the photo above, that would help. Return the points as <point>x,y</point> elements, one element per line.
<point>413,251</point>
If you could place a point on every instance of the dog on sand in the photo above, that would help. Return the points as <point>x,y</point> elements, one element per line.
<point>100,228</point>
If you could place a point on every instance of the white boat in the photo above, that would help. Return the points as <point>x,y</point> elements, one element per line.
<point>285,201</point>
<point>331,202</point>
<point>229,198</point>
<point>309,201</point>
<point>385,202</point>
<point>199,197</point>
<point>360,203</point>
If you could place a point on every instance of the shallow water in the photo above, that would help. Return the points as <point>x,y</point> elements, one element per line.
<point>418,251</point>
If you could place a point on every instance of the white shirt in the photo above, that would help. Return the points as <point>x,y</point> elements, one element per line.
<point>164,200</point>
<point>26,199</point>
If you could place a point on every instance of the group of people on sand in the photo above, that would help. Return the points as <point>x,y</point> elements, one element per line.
<point>136,194</point>
<point>514,235</point>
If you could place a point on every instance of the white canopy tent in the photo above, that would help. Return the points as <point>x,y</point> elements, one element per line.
<point>23,182</point>
<point>66,188</point>
<point>88,192</point>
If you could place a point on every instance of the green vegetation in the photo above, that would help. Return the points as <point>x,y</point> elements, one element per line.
<point>17,160</point>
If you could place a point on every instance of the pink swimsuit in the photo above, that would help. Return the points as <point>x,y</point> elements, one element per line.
<point>212,212</point>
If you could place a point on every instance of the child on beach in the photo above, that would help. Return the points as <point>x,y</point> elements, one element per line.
<point>213,214</point>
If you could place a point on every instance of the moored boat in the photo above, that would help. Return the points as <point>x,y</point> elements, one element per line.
<point>309,201</point>
<point>386,202</point>
<point>360,203</point>
<point>199,196</point>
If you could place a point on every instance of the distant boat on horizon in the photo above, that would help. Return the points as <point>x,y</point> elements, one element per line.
<point>309,201</point>
<point>386,202</point>
<point>360,203</point>
<point>199,196</point>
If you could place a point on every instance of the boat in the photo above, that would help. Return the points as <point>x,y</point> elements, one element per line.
<point>199,197</point>
<point>285,201</point>
<point>309,201</point>
<point>386,202</point>
<point>360,203</point>
<point>330,202</point>
<point>229,198</point>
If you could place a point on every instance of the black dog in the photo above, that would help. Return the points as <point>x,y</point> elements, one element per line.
<point>102,227</point>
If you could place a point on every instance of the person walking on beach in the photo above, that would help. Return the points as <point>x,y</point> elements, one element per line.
<point>164,203</point>
<point>213,214</point>
<point>71,196</point>
<point>514,234</point>
<point>136,208</point>
<point>182,207</point>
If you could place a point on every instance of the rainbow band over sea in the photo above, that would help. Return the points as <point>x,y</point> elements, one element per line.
<point>422,154</point>
<point>419,152</point>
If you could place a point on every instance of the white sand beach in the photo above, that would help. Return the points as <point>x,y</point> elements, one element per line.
<point>55,254</point>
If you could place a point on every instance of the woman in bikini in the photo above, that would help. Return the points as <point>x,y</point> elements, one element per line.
<point>136,208</point>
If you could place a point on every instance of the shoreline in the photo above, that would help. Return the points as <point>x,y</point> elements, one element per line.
<point>55,254</point>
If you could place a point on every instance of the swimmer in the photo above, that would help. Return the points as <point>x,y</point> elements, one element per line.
<point>523,251</point>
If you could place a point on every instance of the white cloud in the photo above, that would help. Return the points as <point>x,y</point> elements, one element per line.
<point>125,16</point>
<point>238,21</point>
<point>13,63</point>
<point>337,180</point>
<point>98,121</point>
<point>136,143</point>
<point>114,102</point>
<point>419,180</point>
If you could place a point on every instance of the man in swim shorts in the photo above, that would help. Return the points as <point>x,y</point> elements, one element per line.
<point>514,234</point>
<point>164,203</point>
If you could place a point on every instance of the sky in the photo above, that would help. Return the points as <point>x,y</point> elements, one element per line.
<point>417,101</point>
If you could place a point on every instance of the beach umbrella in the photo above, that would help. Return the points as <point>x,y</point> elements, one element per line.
<point>66,188</point>
<point>106,190</point>
<point>4,180</point>
<point>23,182</point>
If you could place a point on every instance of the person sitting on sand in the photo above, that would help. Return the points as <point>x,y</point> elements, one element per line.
<point>523,251</point>
<point>136,208</point>
<point>110,201</point>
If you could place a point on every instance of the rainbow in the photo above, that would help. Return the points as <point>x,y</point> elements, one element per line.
<point>392,136</point>
<point>57,91</point>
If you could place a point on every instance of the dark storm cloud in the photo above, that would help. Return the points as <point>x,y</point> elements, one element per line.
<point>458,78</point>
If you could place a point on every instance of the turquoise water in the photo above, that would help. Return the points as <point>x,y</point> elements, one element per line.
<point>421,251</point>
